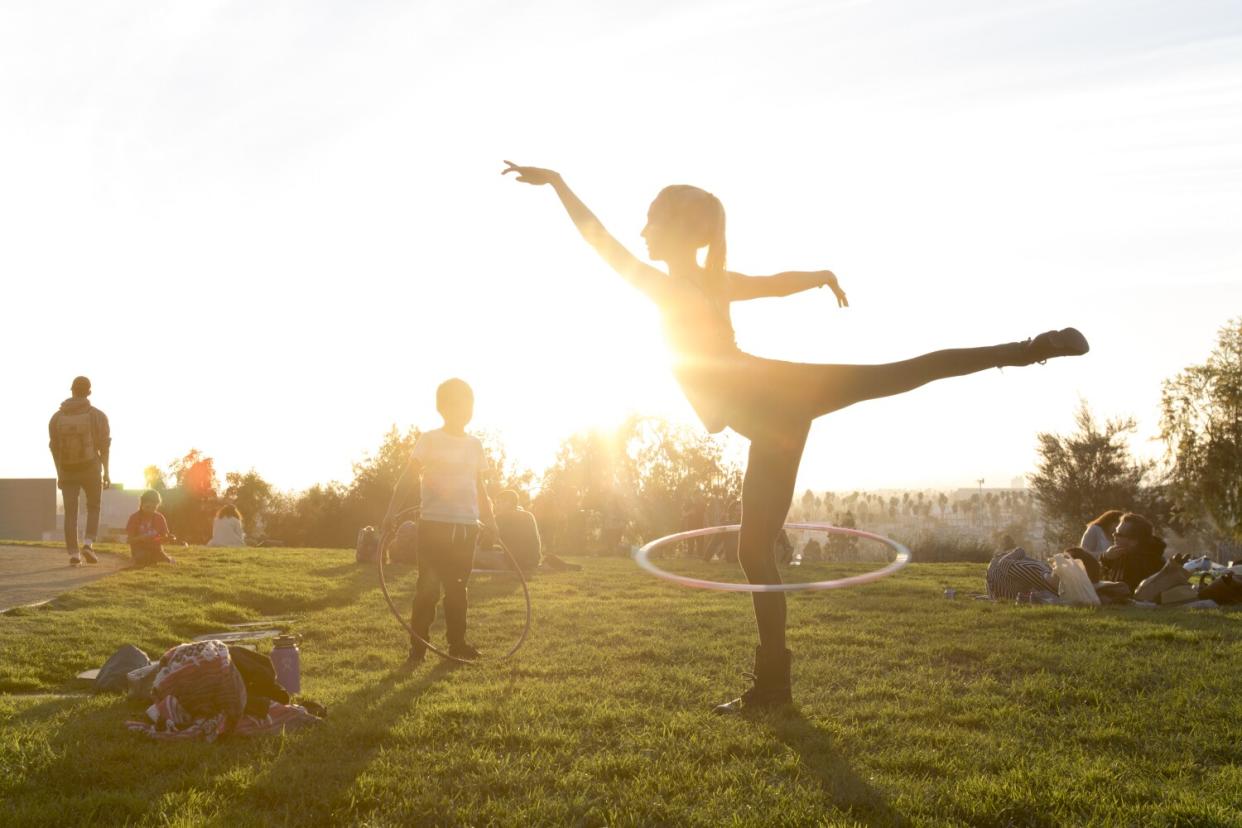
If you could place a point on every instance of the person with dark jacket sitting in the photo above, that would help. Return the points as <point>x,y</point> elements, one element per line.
<point>1137,552</point>
<point>520,533</point>
<point>518,530</point>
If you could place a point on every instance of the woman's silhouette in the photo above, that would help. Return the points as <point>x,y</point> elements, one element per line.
<point>769,402</point>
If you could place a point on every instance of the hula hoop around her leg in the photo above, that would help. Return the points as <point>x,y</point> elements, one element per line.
<point>643,558</point>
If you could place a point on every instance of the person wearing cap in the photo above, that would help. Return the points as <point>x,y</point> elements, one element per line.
<point>80,442</point>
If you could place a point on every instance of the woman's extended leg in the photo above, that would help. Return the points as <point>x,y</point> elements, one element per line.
<point>825,388</point>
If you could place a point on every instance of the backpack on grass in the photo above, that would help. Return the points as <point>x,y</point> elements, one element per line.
<point>113,676</point>
<point>1226,589</point>
<point>259,675</point>
<point>368,545</point>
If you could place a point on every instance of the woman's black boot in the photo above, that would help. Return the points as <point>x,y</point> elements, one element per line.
<point>771,683</point>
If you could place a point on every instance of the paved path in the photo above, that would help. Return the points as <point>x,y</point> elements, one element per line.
<point>30,574</point>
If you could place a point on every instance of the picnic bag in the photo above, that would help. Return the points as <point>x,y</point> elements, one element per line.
<point>1226,589</point>
<point>1075,586</point>
<point>113,676</point>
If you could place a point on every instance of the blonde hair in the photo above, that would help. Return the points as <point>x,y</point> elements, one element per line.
<point>701,216</point>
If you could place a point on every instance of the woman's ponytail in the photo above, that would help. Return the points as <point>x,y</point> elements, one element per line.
<point>702,216</point>
<point>716,247</point>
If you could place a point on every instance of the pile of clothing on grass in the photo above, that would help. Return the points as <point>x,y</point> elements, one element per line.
<point>1015,576</point>
<point>204,690</point>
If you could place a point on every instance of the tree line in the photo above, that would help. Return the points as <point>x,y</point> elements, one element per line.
<point>615,485</point>
<point>1194,489</point>
<point>614,488</point>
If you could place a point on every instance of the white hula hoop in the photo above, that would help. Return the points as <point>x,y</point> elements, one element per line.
<point>643,558</point>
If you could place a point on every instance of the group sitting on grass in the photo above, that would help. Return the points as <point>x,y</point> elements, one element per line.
<point>1130,569</point>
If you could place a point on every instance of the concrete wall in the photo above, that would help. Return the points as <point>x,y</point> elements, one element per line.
<point>27,508</point>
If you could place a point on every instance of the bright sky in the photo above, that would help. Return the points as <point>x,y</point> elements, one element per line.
<point>268,230</point>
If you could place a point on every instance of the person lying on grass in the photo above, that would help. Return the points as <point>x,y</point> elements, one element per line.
<point>148,531</point>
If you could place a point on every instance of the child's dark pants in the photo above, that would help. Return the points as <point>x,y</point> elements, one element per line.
<point>445,558</point>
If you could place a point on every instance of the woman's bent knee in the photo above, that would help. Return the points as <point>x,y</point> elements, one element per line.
<point>759,565</point>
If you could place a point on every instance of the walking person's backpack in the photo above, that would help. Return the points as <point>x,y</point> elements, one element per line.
<point>75,437</point>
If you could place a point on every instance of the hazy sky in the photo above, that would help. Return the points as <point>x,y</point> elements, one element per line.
<point>268,230</point>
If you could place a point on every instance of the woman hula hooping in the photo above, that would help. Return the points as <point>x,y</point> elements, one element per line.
<point>769,402</point>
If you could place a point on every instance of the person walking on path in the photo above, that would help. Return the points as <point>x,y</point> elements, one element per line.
<point>80,441</point>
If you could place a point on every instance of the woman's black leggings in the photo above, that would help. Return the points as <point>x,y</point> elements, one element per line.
<point>792,395</point>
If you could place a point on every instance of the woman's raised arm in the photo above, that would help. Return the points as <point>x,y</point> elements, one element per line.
<point>742,287</point>
<point>643,276</point>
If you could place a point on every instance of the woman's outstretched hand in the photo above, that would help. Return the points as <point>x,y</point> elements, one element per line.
<point>830,279</point>
<point>532,175</point>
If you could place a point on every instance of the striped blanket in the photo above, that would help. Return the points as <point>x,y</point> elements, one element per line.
<point>1012,573</point>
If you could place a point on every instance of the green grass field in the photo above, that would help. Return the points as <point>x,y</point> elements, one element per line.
<point>911,709</point>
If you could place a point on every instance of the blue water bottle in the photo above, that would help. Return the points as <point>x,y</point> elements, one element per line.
<point>288,663</point>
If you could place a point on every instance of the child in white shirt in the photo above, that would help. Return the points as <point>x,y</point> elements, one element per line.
<point>451,466</point>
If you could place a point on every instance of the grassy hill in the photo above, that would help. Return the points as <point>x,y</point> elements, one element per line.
<point>911,709</point>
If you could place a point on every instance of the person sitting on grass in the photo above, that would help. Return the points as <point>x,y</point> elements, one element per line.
<point>1098,535</point>
<point>227,529</point>
<point>147,531</point>
<point>519,534</point>
<point>1137,552</point>
<point>450,465</point>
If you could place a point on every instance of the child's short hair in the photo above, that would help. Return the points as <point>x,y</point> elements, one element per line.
<point>150,496</point>
<point>453,393</point>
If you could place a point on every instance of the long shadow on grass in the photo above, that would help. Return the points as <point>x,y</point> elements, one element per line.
<point>311,773</point>
<point>333,754</point>
<point>844,788</point>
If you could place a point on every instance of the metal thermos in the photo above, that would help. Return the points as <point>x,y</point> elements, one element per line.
<point>288,663</point>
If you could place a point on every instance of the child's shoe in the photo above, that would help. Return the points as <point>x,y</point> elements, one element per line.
<point>464,651</point>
